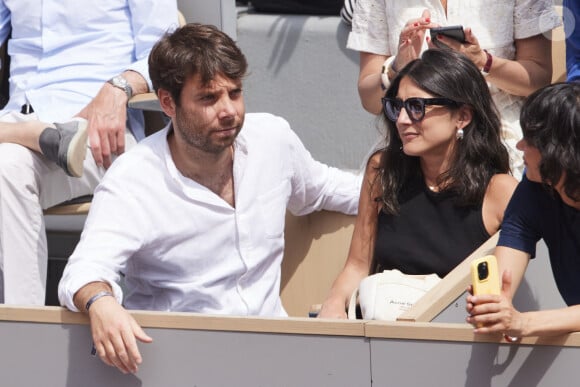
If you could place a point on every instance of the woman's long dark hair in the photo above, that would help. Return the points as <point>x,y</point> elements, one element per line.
<point>550,120</point>
<point>476,158</point>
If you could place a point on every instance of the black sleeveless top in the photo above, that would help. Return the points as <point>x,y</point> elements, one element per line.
<point>431,234</point>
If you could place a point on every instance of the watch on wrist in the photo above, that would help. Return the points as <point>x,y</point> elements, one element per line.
<point>120,82</point>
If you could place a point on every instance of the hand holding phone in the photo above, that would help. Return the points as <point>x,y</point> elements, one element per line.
<point>485,276</point>
<point>453,32</point>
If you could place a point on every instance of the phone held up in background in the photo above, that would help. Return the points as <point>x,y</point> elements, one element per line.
<point>453,32</point>
<point>485,276</point>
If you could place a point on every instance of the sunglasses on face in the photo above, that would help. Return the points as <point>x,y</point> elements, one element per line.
<point>415,107</point>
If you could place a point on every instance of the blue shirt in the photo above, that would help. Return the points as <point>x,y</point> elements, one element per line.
<point>572,29</point>
<point>62,51</point>
<point>535,213</point>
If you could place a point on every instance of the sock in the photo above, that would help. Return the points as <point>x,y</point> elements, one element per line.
<point>49,141</point>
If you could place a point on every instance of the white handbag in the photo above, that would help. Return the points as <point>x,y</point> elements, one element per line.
<point>386,295</point>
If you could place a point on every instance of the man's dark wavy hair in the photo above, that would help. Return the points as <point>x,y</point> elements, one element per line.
<point>476,158</point>
<point>194,50</point>
<point>550,120</point>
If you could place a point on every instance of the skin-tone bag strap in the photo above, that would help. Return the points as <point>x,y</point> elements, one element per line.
<point>352,305</point>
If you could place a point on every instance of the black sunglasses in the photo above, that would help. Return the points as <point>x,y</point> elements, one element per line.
<point>415,107</point>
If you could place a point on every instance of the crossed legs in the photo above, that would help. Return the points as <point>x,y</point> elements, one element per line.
<point>29,182</point>
<point>64,144</point>
<point>25,133</point>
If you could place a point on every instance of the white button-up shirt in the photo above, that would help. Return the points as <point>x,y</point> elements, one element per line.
<point>183,248</point>
<point>62,51</point>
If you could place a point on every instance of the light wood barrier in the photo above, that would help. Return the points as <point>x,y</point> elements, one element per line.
<point>193,349</point>
<point>316,249</point>
<point>447,290</point>
<point>49,346</point>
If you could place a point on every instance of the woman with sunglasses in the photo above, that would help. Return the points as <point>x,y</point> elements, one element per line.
<point>439,188</point>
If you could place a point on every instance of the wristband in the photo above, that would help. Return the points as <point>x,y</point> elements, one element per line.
<point>487,67</point>
<point>388,72</point>
<point>104,293</point>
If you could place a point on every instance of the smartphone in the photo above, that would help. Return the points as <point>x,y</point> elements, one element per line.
<point>485,276</point>
<point>453,32</point>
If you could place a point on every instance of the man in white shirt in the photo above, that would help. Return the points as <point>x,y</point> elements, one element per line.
<point>193,217</point>
<point>61,55</point>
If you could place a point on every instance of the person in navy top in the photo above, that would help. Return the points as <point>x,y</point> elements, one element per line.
<point>545,205</point>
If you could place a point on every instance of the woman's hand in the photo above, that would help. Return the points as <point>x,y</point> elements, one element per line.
<point>411,40</point>
<point>333,308</point>
<point>469,48</point>
<point>495,313</point>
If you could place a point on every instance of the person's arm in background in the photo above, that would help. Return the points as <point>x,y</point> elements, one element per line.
<point>107,112</point>
<point>371,80</point>
<point>531,67</point>
<point>361,247</point>
<point>530,70</point>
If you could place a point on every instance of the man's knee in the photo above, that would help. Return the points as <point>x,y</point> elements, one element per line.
<point>17,162</point>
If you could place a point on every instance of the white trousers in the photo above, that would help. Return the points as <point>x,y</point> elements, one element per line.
<point>30,183</point>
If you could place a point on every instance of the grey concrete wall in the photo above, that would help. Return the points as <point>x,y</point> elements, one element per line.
<point>301,70</point>
<point>187,351</point>
<point>221,13</point>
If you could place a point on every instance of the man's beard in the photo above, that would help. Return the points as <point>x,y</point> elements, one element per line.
<point>202,140</point>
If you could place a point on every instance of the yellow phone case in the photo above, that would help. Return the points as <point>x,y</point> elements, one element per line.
<point>484,275</point>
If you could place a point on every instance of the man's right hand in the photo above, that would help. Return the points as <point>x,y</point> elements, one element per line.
<point>115,333</point>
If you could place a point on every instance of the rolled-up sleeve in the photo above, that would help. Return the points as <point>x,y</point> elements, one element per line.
<point>111,235</point>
